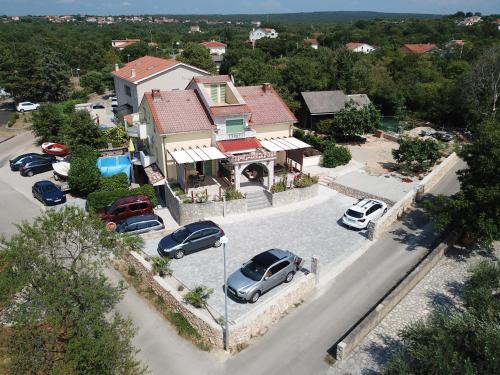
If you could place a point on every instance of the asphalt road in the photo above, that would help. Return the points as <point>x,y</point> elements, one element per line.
<point>14,206</point>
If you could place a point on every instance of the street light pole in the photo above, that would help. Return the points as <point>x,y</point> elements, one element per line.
<point>224,240</point>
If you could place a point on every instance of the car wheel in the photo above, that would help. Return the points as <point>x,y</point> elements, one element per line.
<point>217,243</point>
<point>29,174</point>
<point>289,276</point>
<point>254,297</point>
<point>179,254</point>
<point>385,211</point>
<point>22,110</point>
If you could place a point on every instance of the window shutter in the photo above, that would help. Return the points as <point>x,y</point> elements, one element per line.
<point>223,93</point>
<point>213,93</point>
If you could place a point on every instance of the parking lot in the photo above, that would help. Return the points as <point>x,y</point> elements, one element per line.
<point>307,228</point>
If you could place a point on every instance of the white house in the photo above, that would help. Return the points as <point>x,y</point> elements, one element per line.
<point>214,47</point>
<point>312,42</point>
<point>469,21</point>
<point>360,47</point>
<point>262,32</point>
<point>194,29</point>
<point>150,73</point>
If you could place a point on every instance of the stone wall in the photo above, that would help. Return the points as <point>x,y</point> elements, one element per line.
<point>185,213</point>
<point>255,323</point>
<point>200,319</point>
<point>293,195</point>
<point>358,194</point>
<point>384,307</point>
<point>398,210</point>
<point>310,161</point>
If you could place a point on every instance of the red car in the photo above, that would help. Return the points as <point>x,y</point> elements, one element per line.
<point>126,207</point>
<point>55,149</point>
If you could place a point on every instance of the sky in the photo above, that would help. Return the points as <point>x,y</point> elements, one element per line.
<point>114,7</point>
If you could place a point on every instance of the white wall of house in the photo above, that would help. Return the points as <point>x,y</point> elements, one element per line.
<point>217,50</point>
<point>176,78</point>
<point>364,48</point>
<point>260,33</point>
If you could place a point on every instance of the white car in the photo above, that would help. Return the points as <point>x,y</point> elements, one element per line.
<point>114,101</point>
<point>27,106</point>
<point>364,211</point>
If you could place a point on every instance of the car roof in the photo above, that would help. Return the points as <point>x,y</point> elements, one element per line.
<point>132,199</point>
<point>141,218</point>
<point>45,183</point>
<point>269,257</point>
<point>193,227</point>
<point>364,204</point>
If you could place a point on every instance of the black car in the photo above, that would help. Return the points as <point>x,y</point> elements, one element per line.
<point>190,239</point>
<point>20,160</point>
<point>141,224</point>
<point>48,193</point>
<point>37,165</point>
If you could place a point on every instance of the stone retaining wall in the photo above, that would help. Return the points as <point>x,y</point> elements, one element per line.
<point>255,323</point>
<point>293,195</point>
<point>185,213</point>
<point>404,204</point>
<point>358,194</point>
<point>384,307</point>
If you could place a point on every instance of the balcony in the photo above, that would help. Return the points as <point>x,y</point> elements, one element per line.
<point>146,159</point>
<point>137,130</point>
<point>221,135</point>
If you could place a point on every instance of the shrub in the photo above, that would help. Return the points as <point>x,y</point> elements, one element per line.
<point>279,186</point>
<point>199,296</point>
<point>83,176</point>
<point>79,95</point>
<point>101,199</point>
<point>232,194</point>
<point>305,181</point>
<point>161,266</point>
<point>131,271</point>
<point>416,155</point>
<point>117,136</point>
<point>176,188</point>
<point>12,119</point>
<point>115,182</point>
<point>317,142</point>
<point>334,155</point>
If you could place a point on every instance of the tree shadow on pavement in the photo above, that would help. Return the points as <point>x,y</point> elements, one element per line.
<point>461,253</point>
<point>412,231</point>
<point>381,352</point>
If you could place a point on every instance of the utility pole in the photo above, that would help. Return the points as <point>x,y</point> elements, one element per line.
<point>224,240</point>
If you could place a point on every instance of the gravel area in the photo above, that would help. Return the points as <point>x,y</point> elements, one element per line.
<point>306,228</point>
<point>441,287</point>
<point>385,186</point>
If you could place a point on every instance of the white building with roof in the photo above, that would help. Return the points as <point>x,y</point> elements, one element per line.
<point>262,32</point>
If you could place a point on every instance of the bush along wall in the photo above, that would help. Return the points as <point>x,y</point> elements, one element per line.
<point>103,198</point>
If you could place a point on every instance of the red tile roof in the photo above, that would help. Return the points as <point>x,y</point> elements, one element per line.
<point>213,43</point>
<point>123,43</point>
<point>144,67</point>
<point>353,45</point>
<point>418,48</point>
<point>228,110</point>
<point>239,144</point>
<point>459,42</point>
<point>212,79</point>
<point>267,107</point>
<point>311,41</point>
<point>178,111</point>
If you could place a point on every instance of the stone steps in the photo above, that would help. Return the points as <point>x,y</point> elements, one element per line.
<point>257,200</point>
<point>326,180</point>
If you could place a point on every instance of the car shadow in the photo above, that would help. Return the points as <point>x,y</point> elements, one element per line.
<point>362,232</point>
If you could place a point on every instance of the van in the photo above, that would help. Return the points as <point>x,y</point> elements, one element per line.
<point>126,207</point>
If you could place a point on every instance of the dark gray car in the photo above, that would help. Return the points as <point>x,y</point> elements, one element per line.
<point>262,273</point>
<point>140,224</point>
<point>190,239</point>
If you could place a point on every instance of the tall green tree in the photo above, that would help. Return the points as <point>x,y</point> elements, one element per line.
<point>416,155</point>
<point>354,120</point>
<point>83,176</point>
<point>197,55</point>
<point>80,129</point>
<point>48,122</point>
<point>58,302</point>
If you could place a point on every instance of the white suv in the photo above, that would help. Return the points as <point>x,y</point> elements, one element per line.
<point>361,213</point>
<point>27,106</point>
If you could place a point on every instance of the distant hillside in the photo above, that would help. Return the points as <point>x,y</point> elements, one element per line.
<point>315,17</point>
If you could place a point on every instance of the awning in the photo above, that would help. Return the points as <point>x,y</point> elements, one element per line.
<point>239,144</point>
<point>154,174</point>
<point>193,155</point>
<point>284,144</point>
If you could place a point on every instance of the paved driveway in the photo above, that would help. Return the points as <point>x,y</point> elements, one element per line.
<point>307,228</point>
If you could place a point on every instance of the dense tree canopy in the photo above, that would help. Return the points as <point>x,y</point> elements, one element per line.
<point>196,55</point>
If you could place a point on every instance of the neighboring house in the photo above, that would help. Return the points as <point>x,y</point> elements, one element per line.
<point>256,23</point>
<point>469,21</point>
<point>418,48</point>
<point>497,22</point>
<point>194,29</point>
<point>360,47</point>
<point>321,105</point>
<point>123,43</point>
<point>147,73</point>
<point>262,32</point>
<point>215,48</point>
<point>214,128</point>
<point>312,42</point>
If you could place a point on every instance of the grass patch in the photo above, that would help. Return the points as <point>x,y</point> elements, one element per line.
<point>181,324</point>
<point>4,336</point>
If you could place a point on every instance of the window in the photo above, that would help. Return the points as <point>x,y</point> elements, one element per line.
<point>131,227</point>
<point>143,225</point>
<point>235,126</point>
<point>120,210</point>
<point>214,93</point>
<point>277,268</point>
<point>197,235</point>
<point>138,206</point>
<point>128,91</point>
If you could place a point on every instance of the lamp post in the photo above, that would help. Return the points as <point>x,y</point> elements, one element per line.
<point>78,75</point>
<point>224,240</point>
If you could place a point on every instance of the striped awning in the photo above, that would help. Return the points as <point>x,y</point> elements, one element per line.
<point>284,144</point>
<point>193,155</point>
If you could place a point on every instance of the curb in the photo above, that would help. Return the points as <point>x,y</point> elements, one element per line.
<point>8,138</point>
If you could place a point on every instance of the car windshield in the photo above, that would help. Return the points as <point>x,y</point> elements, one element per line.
<point>181,234</point>
<point>110,208</point>
<point>355,214</point>
<point>253,270</point>
<point>49,189</point>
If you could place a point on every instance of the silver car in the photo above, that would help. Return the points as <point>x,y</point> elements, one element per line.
<point>262,273</point>
<point>141,224</point>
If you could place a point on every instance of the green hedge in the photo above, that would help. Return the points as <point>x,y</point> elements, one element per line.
<point>305,181</point>
<point>115,182</point>
<point>317,142</point>
<point>334,155</point>
<point>103,198</point>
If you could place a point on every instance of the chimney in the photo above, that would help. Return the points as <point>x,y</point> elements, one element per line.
<point>116,67</point>
<point>267,87</point>
<point>155,93</point>
<point>132,73</point>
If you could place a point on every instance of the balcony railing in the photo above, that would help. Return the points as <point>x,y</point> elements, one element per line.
<point>260,154</point>
<point>221,135</point>
<point>137,130</point>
